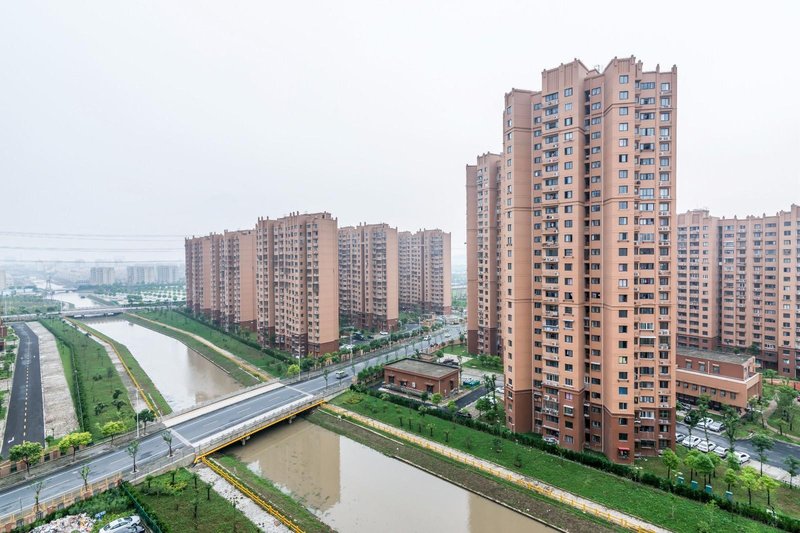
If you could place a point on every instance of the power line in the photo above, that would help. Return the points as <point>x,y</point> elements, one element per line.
<point>92,236</point>
<point>62,249</point>
<point>91,262</point>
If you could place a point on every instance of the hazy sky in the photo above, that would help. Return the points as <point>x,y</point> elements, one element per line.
<point>187,117</point>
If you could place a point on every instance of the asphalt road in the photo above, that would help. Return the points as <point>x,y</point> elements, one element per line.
<point>153,448</point>
<point>775,457</point>
<point>25,420</point>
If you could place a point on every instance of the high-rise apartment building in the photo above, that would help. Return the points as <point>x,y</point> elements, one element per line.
<point>101,276</point>
<point>483,256</point>
<point>739,285</point>
<point>237,292</point>
<point>141,275</point>
<point>167,274</point>
<point>424,271</point>
<point>585,224</point>
<point>297,283</point>
<point>368,283</point>
<point>3,282</point>
<point>199,277</point>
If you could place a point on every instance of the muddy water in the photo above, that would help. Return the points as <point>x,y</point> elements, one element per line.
<point>353,488</point>
<point>75,299</point>
<point>184,377</point>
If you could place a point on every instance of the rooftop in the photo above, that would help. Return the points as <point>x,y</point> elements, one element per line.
<point>715,355</point>
<point>422,368</point>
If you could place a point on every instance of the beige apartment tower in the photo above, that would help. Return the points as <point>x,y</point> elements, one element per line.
<point>424,271</point>
<point>368,283</point>
<point>585,214</point>
<point>753,284</point>
<point>199,277</point>
<point>483,256</point>
<point>238,279</point>
<point>297,283</point>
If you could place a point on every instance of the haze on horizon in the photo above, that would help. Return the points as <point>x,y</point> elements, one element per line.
<point>181,118</point>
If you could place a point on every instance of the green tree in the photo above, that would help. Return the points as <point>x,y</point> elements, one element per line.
<point>75,441</point>
<point>167,436</point>
<point>733,462</point>
<point>84,472</point>
<point>731,478</point>
<point>293,370</point>
<point>112,428</point>
<point>671,461</point>
<point>732,421</point>
<point>704,466</point>
<point>762,443</point>
<point>29,453</point>
<point>691,421</point>
<point>436,398</point>
<point>145,416</point>
<point>325,373</point>
<point>749,479</point>
<point>133,451</point>
<point>792,466</point>
<point>767,484</point>
<point>452,407</point>
<point>37,489</point>
<point>702,411</point>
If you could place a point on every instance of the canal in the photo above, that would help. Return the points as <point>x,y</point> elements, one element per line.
<point>353,488</point>
<point>184,377</point>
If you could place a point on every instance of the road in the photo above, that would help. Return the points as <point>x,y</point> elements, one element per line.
<point>25,420</point>
<point>189,433</point>
<point>775,457</point>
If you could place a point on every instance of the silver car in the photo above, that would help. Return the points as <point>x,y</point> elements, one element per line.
<point>122,525</point>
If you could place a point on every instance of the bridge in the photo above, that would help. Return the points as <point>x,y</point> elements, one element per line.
<point>197,433</point>
<point>89,312</point>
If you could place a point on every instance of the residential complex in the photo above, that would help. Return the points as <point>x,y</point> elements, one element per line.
<point>368,283</point>
<point>141,275</point>
<point>167,274</point>
<point>739,285</point>
<point>297,283</point>
<point>237,279</point>
<point>584,205</point>
<point>198,273</point>
<point>102,276</point>
<point>728,379</point>
<point>424,271</point>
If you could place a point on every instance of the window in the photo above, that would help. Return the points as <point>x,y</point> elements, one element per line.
<point>665,86</point>
<point>623,158</point>
<point>623,110</point>
<point>623,126</point>
<point>624,79</point>
<point>568,91</point>
<point>623,391</point>
<point>623,95</point>
<point>623,143</point>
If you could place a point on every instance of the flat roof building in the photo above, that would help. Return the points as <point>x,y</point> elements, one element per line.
<point>414,376</point>
<point>726,378</point>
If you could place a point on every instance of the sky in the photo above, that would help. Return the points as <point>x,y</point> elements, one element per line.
<point>179,118</point>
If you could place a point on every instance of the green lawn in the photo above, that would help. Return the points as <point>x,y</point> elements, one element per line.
<point>97,379</point>
<point>284,503</point>
<point>141,376</point>
<point>254,356</point>
<point>173,505</point>
<point>456,349</point>
<point>235,371</point>
<point>674,513</point>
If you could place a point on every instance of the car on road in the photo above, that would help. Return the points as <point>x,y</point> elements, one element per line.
<point>742,457</point>
<point>679,437</point>
<point>384,333</point>
<point>715,426</point>
<point>340,374</point>
<point>122,525</point>
<point>691,442</point>
<point>705,446</point>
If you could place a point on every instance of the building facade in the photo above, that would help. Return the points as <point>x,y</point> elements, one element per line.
<point>237,278</point>
<point>483,256</point>
<point>753,284</point>
<point>424,271</point>
<point>416,377</point>
<point>199,274</point>
<point>728,379</point>
<point>368,282</point>
<point>167,274</point>
<point>297,283</point>
<point>141,275</point>
<point>585,269</point>
<point>102,276</point>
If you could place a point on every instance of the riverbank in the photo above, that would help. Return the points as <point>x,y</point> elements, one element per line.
<point>215,356</point>
<point>523,502</point>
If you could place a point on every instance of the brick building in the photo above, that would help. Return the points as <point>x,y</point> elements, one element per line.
<point>727,378</point>
<point>413,376</point>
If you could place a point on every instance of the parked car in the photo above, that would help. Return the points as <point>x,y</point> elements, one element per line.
<point>679,437</point>
<point>549,439</point>
<point>121,525</point>
<point>426,338</point>
<point>705,446</point>
<point>715,426</point>
<point>691,442</point>
<point>742,457</point>
<point>470,382</point>
<point>384,333</point>
<point>705,422</point>
<point>463,414</point>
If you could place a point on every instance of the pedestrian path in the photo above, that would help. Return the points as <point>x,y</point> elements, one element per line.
<point>588,506</point>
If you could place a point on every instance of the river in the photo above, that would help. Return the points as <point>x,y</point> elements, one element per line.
<point>353,488</point>
<point>184,377</point>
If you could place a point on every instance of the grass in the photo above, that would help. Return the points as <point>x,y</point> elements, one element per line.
<point>173,505</point>
<point>21,304</point>
<point>133,365</point>
<point>254,356</point>
<point>235,371</point>
<point>287,505</point>
<point>456,349</point>
<point>672,512</point>
<point>92,379</point>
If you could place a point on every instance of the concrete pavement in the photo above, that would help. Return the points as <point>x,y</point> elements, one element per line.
<point>25,420</point>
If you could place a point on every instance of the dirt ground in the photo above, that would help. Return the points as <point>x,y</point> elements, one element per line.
<point>517,499</point>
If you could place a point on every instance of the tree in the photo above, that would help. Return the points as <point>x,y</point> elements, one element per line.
<point>112,428</point>
<point>731,420</point>
<point>752,402</point>
<point>762,443</point>
<point>452,407</point>
<point>29,453</point>
<point>37,489</point>
<point>792,466</point>
<point>145,416</point>
<point>731,478</point>
<point>325,373</point>
<point>436,398</point>
<point>768,484</point>
<point>749,479</point>
<point>671,461</point>
<point>133,451</point>
<point>74,440</point>
<point>733,462</point>
<point>167,436</point>
<point>704,466</point>
<point>691,461</point>
<point>84,472</point>
<point>702,411</point>
<point>293,370</point>
<point>691,421</point>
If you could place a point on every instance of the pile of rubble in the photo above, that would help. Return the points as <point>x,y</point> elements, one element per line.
<point>69,524</point>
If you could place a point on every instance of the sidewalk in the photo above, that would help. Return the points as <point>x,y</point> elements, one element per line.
<point>588,506</point>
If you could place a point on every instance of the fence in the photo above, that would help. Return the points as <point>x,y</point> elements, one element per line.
<point>152,524</point>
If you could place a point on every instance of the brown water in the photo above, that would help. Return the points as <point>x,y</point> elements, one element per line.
<point>183,376</point>
<point>353,488</point>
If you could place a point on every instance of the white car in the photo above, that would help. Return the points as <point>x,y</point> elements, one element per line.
<point>721,451</point>
<point>715,426</point>
<point>550,440</point>
<point>384,333</point>
<point>679,437</point>
<point>691,442</point>
<point>706,446</point>
<point>705,422</point>
<point>742,457</point>
<point>121,524</point>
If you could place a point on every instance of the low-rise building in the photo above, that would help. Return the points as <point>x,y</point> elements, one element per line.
<point>727,378</point>
<point>413,376</point>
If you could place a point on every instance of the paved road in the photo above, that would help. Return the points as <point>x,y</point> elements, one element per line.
<point>25,410</point>
<point>775,457</point>
<point>153,448</point>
